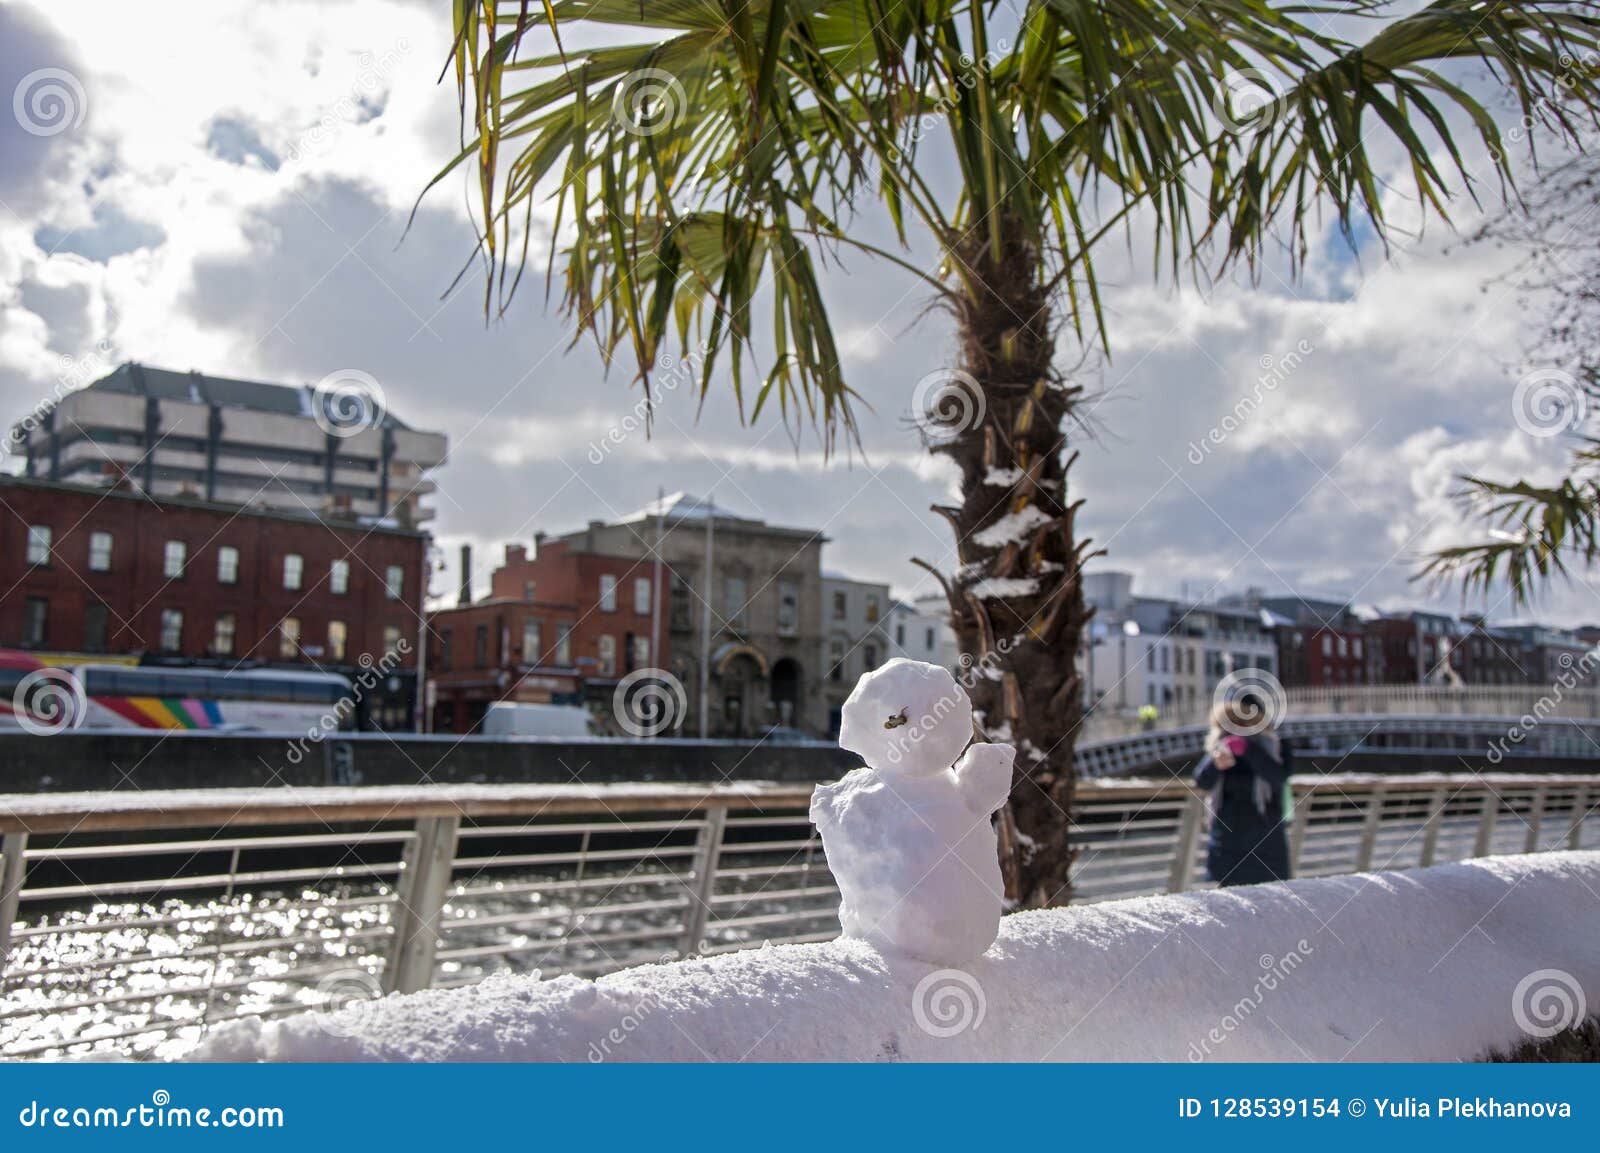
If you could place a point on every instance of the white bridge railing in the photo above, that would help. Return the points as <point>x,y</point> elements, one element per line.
<point>133,924</point>
<point>1512,701</point>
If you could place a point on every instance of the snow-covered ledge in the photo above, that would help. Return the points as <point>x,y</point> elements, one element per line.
<point>1429,964</point>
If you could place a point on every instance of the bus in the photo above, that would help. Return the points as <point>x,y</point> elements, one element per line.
<point>42,699</point>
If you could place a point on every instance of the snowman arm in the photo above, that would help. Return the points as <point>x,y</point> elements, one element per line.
<point>984,774</point>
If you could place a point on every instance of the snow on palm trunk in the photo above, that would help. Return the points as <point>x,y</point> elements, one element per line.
<point>908,837</point>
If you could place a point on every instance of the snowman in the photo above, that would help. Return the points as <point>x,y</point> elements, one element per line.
<point>908,837</point>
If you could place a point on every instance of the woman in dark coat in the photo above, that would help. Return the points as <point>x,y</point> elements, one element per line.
<point>1247,777</point>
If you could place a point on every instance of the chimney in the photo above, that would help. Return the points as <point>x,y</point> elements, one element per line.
<point>516,554</point>
<point>466,574</point>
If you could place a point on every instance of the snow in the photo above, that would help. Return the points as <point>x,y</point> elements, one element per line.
<point>1012,526</point>
<point>908,837</point>
<point>1003,587</point>
<point>1429,964</point>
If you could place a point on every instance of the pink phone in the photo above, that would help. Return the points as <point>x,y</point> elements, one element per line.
<point>1236,745</point>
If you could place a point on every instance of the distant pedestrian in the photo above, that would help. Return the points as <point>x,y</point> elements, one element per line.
<point>1246,771</point>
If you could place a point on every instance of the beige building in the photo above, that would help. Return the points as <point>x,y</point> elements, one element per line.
<point>763,600</point>
<point>326,449</point>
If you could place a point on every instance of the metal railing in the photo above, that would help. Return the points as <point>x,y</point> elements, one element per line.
<point>135,923</point>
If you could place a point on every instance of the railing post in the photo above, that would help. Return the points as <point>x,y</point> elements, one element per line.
<point>1430,831</point>
<point>1369,828</point>
<point>1297,836</point>
<point>1535,819</point>
<point>1189,823</point>
<point>13,862</point>
<point>703,880</point>
<point>1580,810</point>
<point>1486,820</point>
<point>419,903</point>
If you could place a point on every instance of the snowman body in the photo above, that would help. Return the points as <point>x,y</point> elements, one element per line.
<point>908,837</point>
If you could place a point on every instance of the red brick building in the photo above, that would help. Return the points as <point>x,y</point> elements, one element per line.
<point>560,627</point>
<point>1417,648</point>
<point>613,598</point>
<point>181,580</point>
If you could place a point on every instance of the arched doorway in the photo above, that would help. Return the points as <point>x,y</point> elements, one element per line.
<point>788,681</point>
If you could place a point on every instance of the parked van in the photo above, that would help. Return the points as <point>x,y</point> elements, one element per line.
<point>516,719</point>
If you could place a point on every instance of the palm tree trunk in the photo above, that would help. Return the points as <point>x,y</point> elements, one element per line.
<point>1017,597</point>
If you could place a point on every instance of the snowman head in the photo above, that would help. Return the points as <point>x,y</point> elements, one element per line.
<point>908,717</point>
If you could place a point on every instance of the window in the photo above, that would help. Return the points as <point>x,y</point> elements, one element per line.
<point>733,597</point>
<point>928,642</point>
<point>222,636</point>
<point>480,647</point>
<point>35,621</point>
<point>682,615</point>
<point>641,596</point>
<point>608,593</point>
<point>391,638</point>
<point>841,606</point>
<point>1344,647</point>
<point>788,609</point>
<point>294,567</point>
<point>227,565</point>
<point>606,650</point>
<point>900,633</point>
<point>171,630</point>
<point>96,618</point>
<point>289,638</point>
<point>564,644</point>
<point>1327,645</point>
<point>527,590</point>
<point>445,637</point>
<point>394,582</point>
<point>872,607</point>
<point>174,558</point>
<point>640,655</point>
<point>338,635</point>
<point>531,646</point>
<point>1355,646</point>
<point>869,656</point>
<point>39,544</point>
<point>99,552</point>
<point>339,578</point>
<point>836,659</point>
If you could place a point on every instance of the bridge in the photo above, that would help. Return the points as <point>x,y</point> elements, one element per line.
<point>1487,727</point>
<point>132,922</point>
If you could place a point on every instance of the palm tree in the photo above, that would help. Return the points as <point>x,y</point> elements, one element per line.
<point>703,157</point>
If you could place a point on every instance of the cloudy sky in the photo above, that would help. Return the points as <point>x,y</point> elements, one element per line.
<point>229,192</point>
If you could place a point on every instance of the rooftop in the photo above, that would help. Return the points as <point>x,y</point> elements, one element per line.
<point>132,379</point>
